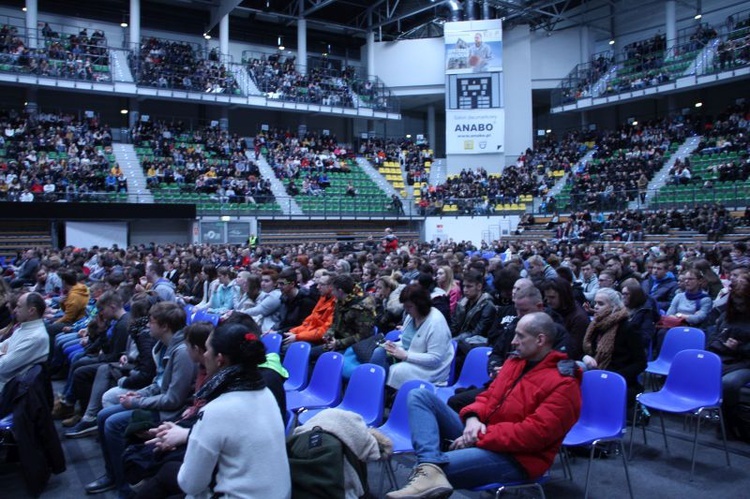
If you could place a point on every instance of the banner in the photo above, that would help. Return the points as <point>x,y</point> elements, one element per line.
<point>478,131</point>
<point>473,47</point>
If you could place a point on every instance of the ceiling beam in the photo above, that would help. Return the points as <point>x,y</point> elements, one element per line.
<point>218,13</point>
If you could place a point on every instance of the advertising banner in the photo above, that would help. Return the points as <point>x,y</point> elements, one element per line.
<point>478,131</point>
<point>473,47</point>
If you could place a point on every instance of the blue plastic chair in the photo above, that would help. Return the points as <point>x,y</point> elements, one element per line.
<point>394,335</point>
<point>452,372</point>
<point>602,419</point>
<point>364,395</point>
<point>693,386</point>
<point>272,341</point>
<point>397,426</point>
<point>297,362</point>
<point>189,309</point>
<point>203,316</point>
<point>676,340</point>
<point>474,373</point>
<point>324,389</point>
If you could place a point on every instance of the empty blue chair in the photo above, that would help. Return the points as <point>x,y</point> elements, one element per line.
<point>474,373</point>
<point>296,362</point>
<point>676,340</point>
<point>693,386</point>
<point>272,342</point>
<point>364,395</point>
<point>324,389</point>
<point>602,419</point>
<point>397,426</point>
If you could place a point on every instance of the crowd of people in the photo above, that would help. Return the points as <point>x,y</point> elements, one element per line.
<point>54,157</point>
<point>207,160</point>
<point>59,55</point>
<point>277,77</point>
<point>181,66</point>
<point>624,163</point>
<point>555,308</point>
<point>410,155</point>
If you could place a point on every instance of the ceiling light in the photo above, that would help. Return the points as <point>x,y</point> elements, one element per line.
<point>124,24</point>
<point>24,9</point>
<point>634,123</point>
<point>206,36</point>
<point>698,16</point>
<point>612,41</point>
<point>549,130</point>
<point>123,111</point>
<point>698,104</point>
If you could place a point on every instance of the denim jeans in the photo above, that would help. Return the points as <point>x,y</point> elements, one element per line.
<point>380,358</point>
<point>731,383</point>
<point>432,423</point>
<point>111,423</point>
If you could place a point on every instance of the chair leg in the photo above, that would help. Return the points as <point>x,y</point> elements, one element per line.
<point>632,429</point>
<point>625,465</point>
<point>724,435</point>
<point>695,443</point>
<point>663,431</point>
<point>588,469</point>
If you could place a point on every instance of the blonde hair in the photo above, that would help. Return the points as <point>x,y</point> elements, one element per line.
<point>448,284</point>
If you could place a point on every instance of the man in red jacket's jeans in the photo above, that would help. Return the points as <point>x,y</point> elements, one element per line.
<point>511,432</point>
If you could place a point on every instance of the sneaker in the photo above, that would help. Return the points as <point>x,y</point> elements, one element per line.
<point>426,481</point>
<point>63,411</point>
<point>82,429</point>
<point>72,420</point>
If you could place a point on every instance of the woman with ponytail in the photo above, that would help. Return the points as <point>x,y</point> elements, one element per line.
<point>237,447</point>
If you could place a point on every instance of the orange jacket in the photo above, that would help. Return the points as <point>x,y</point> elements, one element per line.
<point>318,322</point>
<point>74,304</point>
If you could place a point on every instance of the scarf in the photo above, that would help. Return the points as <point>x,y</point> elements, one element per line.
<point>603,332</point>
<point>234,378</point>
<point>696,298</point>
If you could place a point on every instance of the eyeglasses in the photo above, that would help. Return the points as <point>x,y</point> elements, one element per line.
<point>283,283</point>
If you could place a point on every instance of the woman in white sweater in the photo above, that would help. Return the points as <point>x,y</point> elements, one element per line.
<point>238,440</point>
<point>424,350</point>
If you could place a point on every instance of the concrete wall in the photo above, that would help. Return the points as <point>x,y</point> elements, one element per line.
<point>474,229</point>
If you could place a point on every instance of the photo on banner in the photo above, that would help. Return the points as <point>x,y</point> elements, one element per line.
<point>473,47</point>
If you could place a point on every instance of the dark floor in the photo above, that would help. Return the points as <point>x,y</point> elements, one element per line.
<point>654,473</point>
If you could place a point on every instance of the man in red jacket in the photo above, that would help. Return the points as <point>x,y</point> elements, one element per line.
<point>511,432</point>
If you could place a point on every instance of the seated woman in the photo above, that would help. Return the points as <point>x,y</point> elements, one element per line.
<point>732,343</point>
<point>643,311</point>
<point>611,344</point>
<point>424,350</point>
<point>225,455</point>
<point>267,309</point>
<point>388,308</point>
<point>689,308</point>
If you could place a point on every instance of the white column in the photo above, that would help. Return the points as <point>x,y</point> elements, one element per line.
<point>224,38</point>
<point>585,37</point>
<point>31,101</point>
<point>371,53</point>
<point>135,24</point>
<point>671,24</point>
<point>431,134</point>
<point>302,45</point>
<point>224,120</point>
<point>32,30</point>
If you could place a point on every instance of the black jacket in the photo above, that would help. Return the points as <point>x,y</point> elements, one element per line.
<point>29,398</point>
<point>296,310</point>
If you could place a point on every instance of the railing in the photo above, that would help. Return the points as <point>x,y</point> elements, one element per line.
<point>652,69</point>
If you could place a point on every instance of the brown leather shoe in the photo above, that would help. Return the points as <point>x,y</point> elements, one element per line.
<point>72,420</point>
<point>63,411</point>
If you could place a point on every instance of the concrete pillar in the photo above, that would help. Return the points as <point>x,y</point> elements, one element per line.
<point>134,113</point>
<point>371,53</point>
<point>32,29</point>
<point>486,13</point>
<point>431,133</point>
<point>224,39</point>
<point>31,101</point>
<point>135,24</point>
<point>471,13</point>
<point>302,45</point>
<point>585,43</point>
<point>671,25</point>
<point>224,120</point>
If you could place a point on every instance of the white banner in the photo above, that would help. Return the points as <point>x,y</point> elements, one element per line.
<point>477,131</point>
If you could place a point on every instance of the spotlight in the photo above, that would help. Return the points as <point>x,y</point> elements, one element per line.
<point>698,104</point>
<point>123,111</point>
<point>206,36</point>
<point>612,41</point>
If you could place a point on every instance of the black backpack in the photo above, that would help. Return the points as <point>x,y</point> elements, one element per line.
<point>316,463</point>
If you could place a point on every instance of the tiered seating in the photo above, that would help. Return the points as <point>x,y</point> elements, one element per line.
<point>391,170</point>
<point>369,198</point>
<point>179,66</point>
<point>73,56</point>
<point>207,167</point>
<point>58,158</point>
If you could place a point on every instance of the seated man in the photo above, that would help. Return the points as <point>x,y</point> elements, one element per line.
<point>29,344</point>
<point>320,319</point>
<point>514,429</point>
<point>162,400</point>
